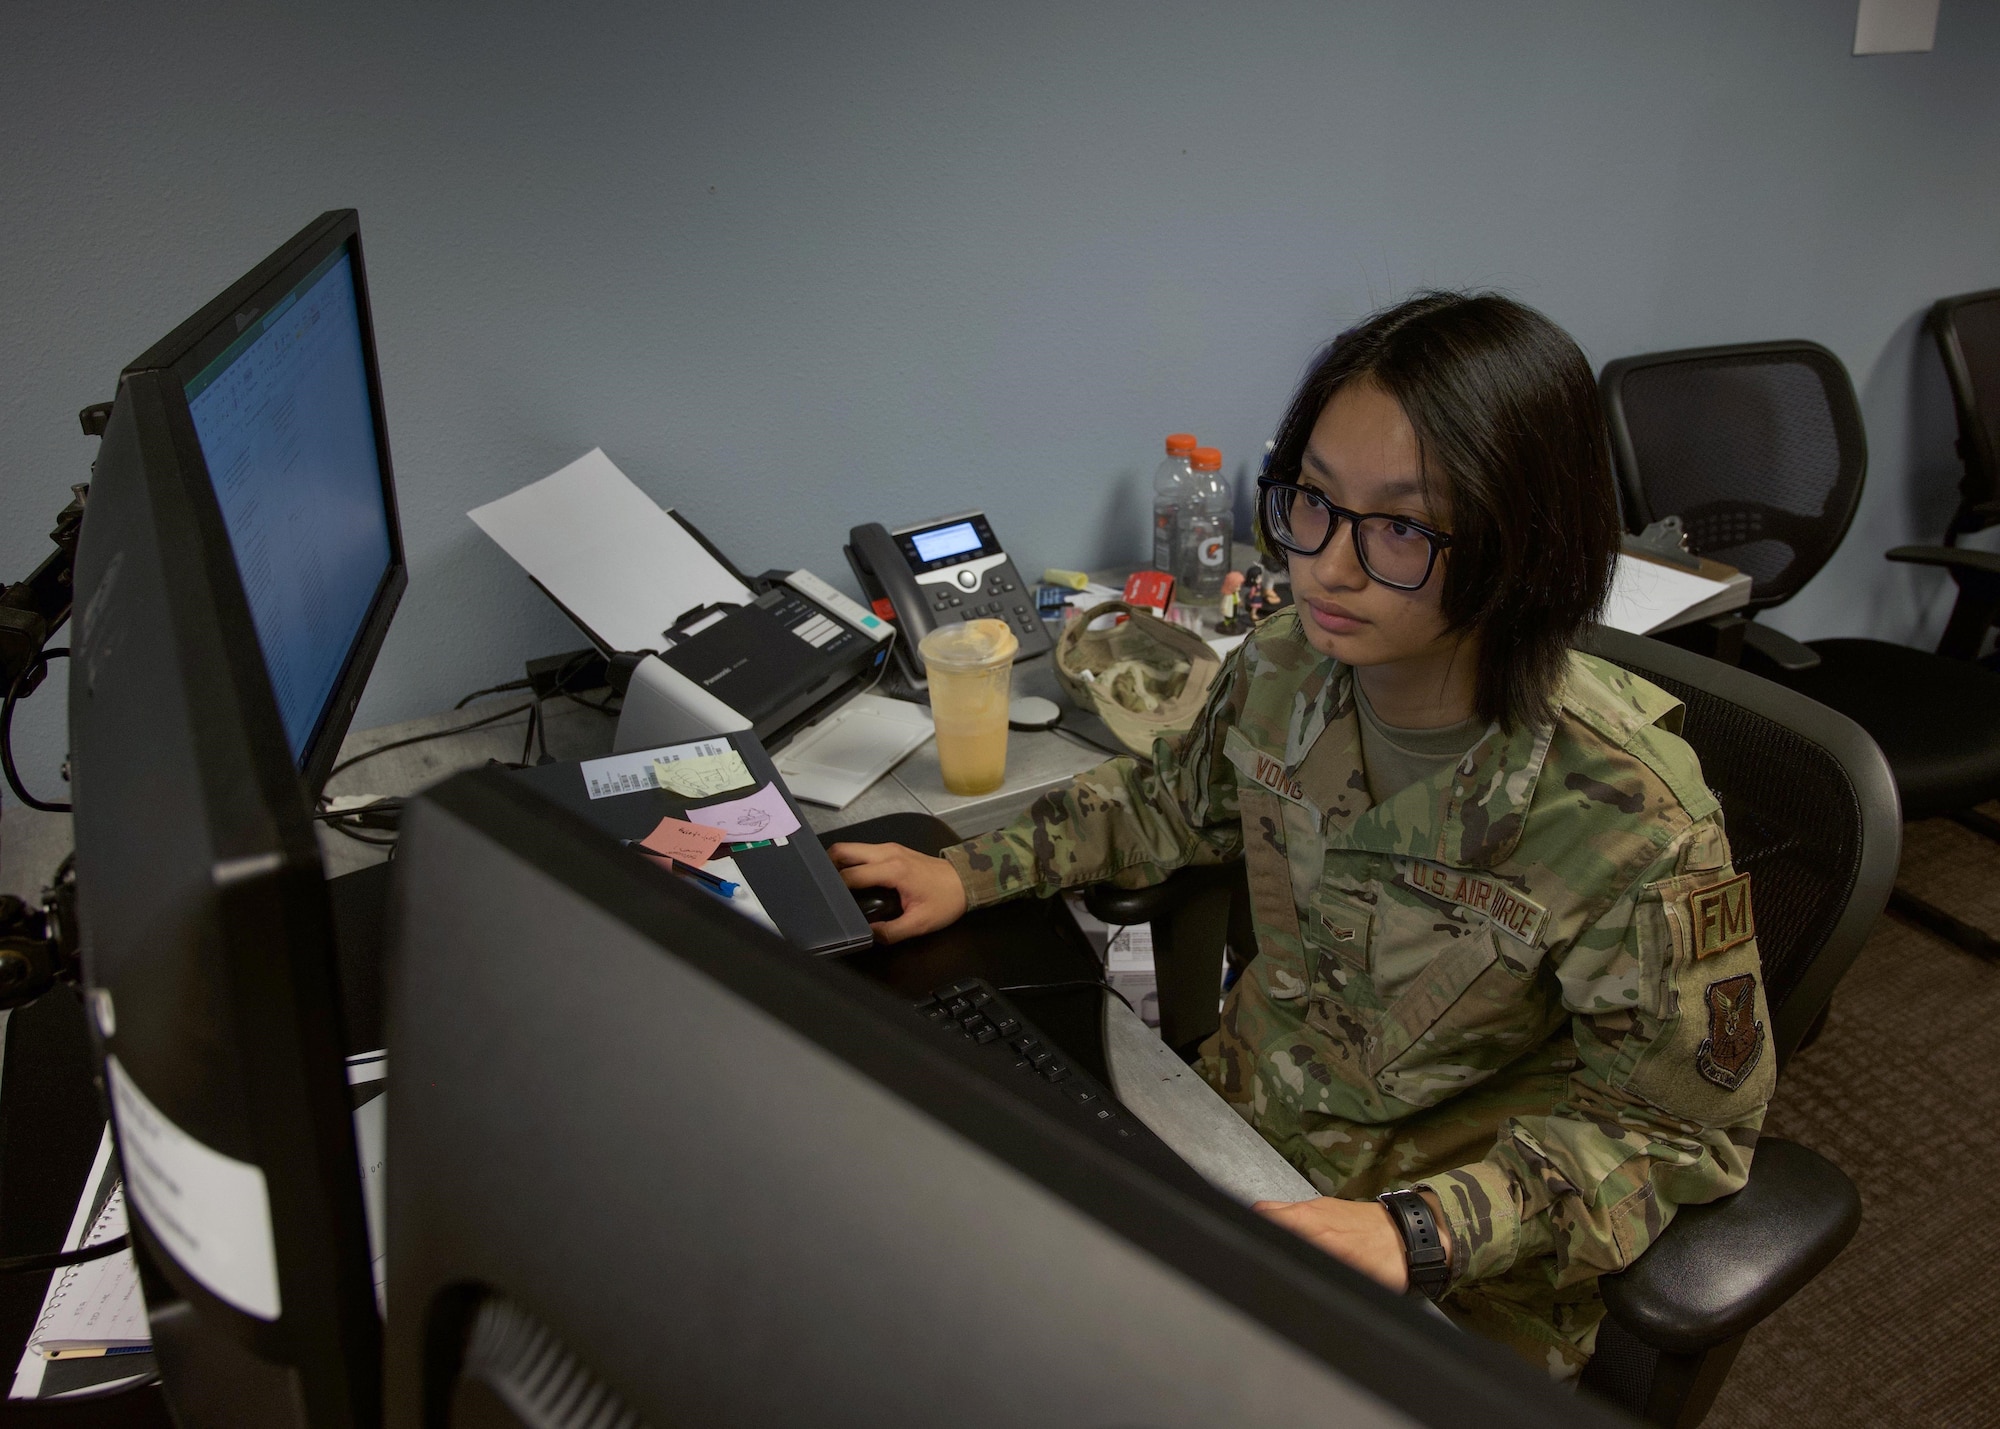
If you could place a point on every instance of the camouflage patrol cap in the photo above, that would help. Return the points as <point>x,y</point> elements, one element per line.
<point>1144,677</point>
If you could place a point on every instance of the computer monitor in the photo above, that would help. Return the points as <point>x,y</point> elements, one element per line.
<point>239,563</point>
<point>647,1160</point>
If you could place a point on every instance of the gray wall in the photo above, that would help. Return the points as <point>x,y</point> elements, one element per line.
<point>798,266</point>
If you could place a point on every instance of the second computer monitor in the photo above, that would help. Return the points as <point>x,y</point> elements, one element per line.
<point>645,1154</point>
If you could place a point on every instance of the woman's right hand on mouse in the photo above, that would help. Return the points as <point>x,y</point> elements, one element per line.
<point>930,889</point>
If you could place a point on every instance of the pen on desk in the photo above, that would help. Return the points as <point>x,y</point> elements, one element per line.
<point>94,1352</point>
<point>699,875</point>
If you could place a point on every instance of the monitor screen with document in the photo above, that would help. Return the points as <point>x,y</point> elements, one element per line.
<point>289,435</point>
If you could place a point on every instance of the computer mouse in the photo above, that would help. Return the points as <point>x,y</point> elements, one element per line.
<point>878,905</point>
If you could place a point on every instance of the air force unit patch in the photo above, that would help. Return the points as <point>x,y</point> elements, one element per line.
<point>1509,910</point>
<point>1735,1037</point>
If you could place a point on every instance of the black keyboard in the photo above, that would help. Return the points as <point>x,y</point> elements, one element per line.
<point>1006,1046</point>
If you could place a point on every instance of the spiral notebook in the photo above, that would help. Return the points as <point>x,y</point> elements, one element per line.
<point>91,1333</point>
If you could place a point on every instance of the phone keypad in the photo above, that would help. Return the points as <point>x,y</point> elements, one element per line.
<point>999,597</point>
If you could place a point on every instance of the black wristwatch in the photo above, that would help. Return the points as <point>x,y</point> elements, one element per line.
<point>1423,1242</point>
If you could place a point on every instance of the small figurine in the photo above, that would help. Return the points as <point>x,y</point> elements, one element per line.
<point>1253,595</point>
<point>1226,613</point>
<point>1249,599</point>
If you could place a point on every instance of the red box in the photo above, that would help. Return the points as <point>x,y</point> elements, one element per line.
<point>1153,589</point>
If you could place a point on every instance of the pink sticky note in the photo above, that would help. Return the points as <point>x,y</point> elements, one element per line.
<point>677,839</point>
<point>762,815</point>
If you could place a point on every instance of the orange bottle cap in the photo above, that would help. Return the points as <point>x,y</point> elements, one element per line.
<point>1180,443</point>
<point>1206,459</point>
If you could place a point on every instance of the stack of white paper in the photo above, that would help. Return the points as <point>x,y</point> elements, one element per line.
<point>91,1312</point>
<point>841,755</point>
<point>624,569</point>
<point>1648,595</point>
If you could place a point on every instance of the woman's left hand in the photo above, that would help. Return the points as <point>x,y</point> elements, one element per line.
<point>1360,1233</point>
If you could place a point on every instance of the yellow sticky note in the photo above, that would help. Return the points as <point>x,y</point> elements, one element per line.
<point>702,776</point>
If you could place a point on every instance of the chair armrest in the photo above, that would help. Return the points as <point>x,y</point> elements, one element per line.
<point>1956,559</point>
<point>1779,648</point>
<point>1122,906</point>
<point>1719,1269</point>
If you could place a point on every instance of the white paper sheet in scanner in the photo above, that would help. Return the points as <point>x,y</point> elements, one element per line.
<point>606,551</point>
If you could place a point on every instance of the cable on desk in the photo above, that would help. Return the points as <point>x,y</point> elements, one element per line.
<point>353,833</point>
<point>62,1259</point>
<point>578,663</point>
<point>1096,982</point>
<point>382,815</point>
<point>383,807</point>
<point>888,650</point>
<point>467,727</point>
<point>40,662</point>
<point>491,690</point>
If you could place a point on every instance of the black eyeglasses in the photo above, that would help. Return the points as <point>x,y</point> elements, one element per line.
<point>1394,550</point>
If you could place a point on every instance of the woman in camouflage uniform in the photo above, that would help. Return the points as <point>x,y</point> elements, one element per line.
<point>1502,957</point>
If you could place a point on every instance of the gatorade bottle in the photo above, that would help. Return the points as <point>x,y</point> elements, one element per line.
<point>1168,484</point>
<point>1208,525</point>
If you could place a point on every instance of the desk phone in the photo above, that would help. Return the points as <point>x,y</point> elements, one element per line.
<point>941,572</point>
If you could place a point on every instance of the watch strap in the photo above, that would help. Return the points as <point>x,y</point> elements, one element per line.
<point>1423,1242</point>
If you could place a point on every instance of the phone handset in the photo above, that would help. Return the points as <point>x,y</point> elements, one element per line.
<point>885,575</point>
<point>943,572</point>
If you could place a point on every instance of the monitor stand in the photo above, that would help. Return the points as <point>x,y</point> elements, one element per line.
<point>360,912</point>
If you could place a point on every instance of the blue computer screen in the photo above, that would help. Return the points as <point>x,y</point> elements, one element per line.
<point>289,436</point>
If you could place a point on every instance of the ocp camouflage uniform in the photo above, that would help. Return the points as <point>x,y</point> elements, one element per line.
<point>1529,983</point>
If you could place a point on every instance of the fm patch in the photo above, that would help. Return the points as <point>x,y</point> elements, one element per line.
<point>1721,916</point>
<point>1735,1037</point>
<point>1511,912</point>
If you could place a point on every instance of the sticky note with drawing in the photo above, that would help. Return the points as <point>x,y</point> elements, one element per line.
<point>692,844</point>
<point>762,815</point>
<point>703,775</point>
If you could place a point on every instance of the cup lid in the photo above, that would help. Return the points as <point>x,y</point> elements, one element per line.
<point>972,645</point>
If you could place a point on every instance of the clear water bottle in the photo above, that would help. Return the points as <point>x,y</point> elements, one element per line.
<point>1173,476</point>
<point>1207,526</point>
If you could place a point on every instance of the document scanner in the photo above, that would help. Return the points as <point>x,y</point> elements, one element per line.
<point>768,667</point>
<point>711,651</point>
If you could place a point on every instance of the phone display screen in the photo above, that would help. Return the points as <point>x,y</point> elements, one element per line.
<point>946,541</point>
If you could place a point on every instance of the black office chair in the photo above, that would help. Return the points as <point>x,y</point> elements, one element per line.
<point>1812,816</point>
<point>1760,450</point>
<point>1967,332</point>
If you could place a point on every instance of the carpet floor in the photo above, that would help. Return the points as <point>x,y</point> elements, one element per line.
<point>1902,1091</point>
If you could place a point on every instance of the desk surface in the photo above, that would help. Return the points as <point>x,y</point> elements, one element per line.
<point>1179,1108</point>
<point>1036,762</point>
<point>1162,1092</point>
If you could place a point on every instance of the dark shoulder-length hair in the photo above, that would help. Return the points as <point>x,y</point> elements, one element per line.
<point>1510,433</point>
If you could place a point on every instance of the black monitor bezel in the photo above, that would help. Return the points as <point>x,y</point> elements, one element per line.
<point>190,347</point>
<point>1387,1345</point>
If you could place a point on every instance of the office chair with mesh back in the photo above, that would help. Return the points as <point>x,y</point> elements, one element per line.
<point>1760,450</point>
<point>1967,332</point>
<point>1812,817</point>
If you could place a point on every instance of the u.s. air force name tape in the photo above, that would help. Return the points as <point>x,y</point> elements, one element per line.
<point>1510,911</point>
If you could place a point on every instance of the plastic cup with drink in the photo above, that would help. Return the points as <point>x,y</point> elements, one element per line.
<point>970,668</point>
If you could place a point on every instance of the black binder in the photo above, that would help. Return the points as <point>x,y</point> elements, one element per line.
<point>795,881</point>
